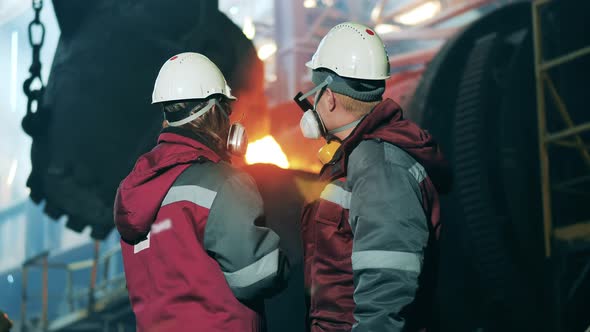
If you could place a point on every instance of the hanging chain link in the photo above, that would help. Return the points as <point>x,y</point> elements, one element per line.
<point>30,123</point>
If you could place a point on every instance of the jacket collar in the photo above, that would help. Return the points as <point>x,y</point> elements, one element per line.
<point>178,135</point>
<point>384,113</point>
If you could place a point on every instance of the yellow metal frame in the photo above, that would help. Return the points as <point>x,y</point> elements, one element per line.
<point>562,137</point>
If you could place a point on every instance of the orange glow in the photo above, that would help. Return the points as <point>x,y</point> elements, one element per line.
<point>266,151</point>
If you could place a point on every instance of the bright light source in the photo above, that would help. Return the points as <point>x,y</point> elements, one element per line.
<point>328,3</point>
<point>13,71</point>
<point>10,278</point>
<point>234,10</point>
<point>266,151</point>
<point>375,13</point>
<point>271,78</point>
<point>12,172</point>
<point>386,28</point>
<point>267,50</point>
<point>419,14</point>
<point>249,30</point>
<point>310,3</point>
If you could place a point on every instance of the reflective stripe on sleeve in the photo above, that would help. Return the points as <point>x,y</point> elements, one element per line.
<point>255,272</point>
<point>381,259</point>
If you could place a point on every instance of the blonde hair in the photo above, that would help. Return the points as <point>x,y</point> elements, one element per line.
<point>354,106</point>
<point>213,125</point>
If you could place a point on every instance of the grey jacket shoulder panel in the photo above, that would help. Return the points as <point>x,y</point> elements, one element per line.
<point>247,253</point>
<point>371,154</point>
<point>208,174</point>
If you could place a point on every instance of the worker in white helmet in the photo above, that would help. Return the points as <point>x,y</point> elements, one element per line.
<point>368,239</point>
<point>194,258</point>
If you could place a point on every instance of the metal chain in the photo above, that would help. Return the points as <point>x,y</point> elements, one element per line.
<point>30,123</point>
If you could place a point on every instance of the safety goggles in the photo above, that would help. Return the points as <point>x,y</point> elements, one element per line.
<point>302,99</point>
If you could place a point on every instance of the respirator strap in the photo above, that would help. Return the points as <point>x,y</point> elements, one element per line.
<point>194,116</point>
<point>325,83</point>
<point>345,127</point>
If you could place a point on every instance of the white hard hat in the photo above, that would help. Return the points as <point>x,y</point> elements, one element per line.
<point>352,50</point>
<point>189,76</point>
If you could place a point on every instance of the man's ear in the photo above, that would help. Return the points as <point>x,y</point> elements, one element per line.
<point>165,124</point>
<point>330,99</point>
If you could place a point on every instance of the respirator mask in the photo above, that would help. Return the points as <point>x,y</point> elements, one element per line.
<point>313,127</point>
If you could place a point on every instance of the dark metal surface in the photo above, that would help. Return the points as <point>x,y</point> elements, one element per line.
<point>99,96</point>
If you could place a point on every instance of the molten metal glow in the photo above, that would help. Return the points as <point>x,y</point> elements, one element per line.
<point>266,151</point>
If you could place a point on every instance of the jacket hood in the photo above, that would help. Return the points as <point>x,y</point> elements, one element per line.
<point>141,193</point>
<point>386,123</point>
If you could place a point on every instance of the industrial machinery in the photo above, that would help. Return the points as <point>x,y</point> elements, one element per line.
<point>514,252</point>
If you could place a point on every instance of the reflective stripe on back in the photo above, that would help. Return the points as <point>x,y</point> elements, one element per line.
<point>418,172</point>
<point>191,193</point>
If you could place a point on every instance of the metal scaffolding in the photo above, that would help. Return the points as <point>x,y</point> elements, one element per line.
<point>98,306</point>
<point>569,137</point>
<point>561,242</point>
